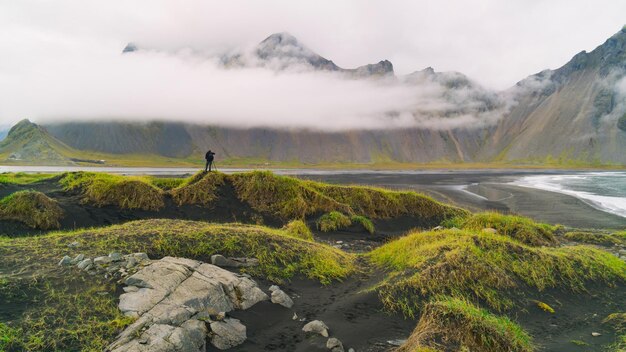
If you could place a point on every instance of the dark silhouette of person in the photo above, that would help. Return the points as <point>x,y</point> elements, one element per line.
<point>209,161</point>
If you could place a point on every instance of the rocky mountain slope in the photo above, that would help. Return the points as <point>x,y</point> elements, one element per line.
<point>569,115</point>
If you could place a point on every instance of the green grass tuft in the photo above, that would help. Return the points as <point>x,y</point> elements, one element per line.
<point>32,208</point>
<point>125,192</point>
<point>367,224</point>
<point>484,267</point>
<point>200,189</point>
<point>333,221</point>
<point>165,183</point>
<point>22,178</point>
<point>519,228</point>
<point>459,325</point>
<point>298,229</point>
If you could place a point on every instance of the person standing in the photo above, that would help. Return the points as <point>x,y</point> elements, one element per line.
<point>209,161</point>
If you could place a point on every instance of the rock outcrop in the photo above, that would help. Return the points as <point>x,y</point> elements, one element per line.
<point>179,302</point>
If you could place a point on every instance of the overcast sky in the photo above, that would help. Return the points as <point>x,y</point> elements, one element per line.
<point>495,42</point>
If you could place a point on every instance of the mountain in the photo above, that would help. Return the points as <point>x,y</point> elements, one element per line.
<point>27,142</point>
<point>575,114</point>
<point>571,113</point>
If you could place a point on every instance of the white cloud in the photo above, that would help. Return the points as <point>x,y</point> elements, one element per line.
<point>60,59</point>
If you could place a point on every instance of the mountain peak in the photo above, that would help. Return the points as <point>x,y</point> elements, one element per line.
<point>21,127</point>
<point>130,47</point>
<point>286,48</point>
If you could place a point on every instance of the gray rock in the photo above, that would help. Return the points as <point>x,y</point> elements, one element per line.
<point>172,292</point>
<point>280,297</point>
<point>438,228</point>
<point>316,327</point>
<point>74,244</point>
<point>351,349</point>
<point>227,333</point>
<point>77,259</point>
<point>66,260</point>
<point>84,264</point>
<point>116,256</point>
<point>102,260</point>
<point>131,262</point>
<point>334,345</point>
<point>273,288</point>
<point>140,256</point>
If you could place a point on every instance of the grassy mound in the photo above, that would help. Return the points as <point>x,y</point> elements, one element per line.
<point>32,208</point>
<point>595,238</point>
<point>289,198</point>
<point>165,183</point>
<point>106,189</point>
<point>298,229</point>
<point>281,256</point>
<point>452,324</point>
<point>333,221</point>
<point>484,267</point>
<point>200,189</point>
<point>56,308</point>
<point>21,178</point>
<point>520,228</point>
<point>617,321</point>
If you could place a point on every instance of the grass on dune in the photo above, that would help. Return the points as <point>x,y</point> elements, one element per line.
<point>617,321</point>
<point>22,178</point>
<point>64,309</point>
<point>595,238</point>
<point>281,256</point>
<point>455,324</point>
<point>125,192</point>
<point>200,189</point>
<point>78,314</point>
<point>367,224</point>
<point>484,267</point>
<point>520,228</point>
<point>291,198</point>
<point>165,183</point>
<point>299,229</point>
<point>34,209</point>
<point>333,221</point>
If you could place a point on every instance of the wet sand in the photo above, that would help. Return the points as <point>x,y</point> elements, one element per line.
<point>490,190</point>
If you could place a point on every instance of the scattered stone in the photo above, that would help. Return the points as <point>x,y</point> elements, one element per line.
<point>334,345</point>
<point>74,244</point>
<point>317,327</point>
<point>273,288</point>
<point>83,264</point>
<point>339,242</point>
<point>338,246</point>
<point>102,260</point>
<point>227,333</point>
<point>351,349</point>
<point>172,297</point>
<point>596,334</point>
<point>280,297</point>
<point>396,342</point>
<point>490,230</point>
<point>77,259</point>
<point>438,228</point>
<point>295,316</point>
<point>66,260</point>
<point>116,256</point>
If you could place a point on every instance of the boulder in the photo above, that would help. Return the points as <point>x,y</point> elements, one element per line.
<point>316,327</point>
<point>227,333</point>
<point>280,297</point>
<point>173,292</point>
<point>66,260</point>
<point>77,259</point>
<point>334,345</point>
<point>102,260</point>
<point>84,264</point>
<point>116,256</point>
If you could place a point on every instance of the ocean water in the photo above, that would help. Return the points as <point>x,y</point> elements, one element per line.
<point>603,190</point>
